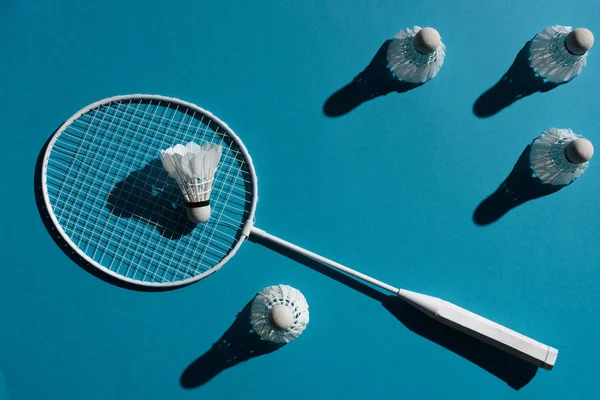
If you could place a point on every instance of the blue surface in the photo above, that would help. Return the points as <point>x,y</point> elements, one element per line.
<point>389,188</point>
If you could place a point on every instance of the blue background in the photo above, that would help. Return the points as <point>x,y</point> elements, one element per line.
<point>389,189</point>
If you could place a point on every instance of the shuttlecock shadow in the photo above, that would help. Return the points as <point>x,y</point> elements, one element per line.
<point>514,371</point>
<point>239,343</point>
<point>147,195</point>
<point>376,80</point>
<point>519,187</point>
<point>518,82</point>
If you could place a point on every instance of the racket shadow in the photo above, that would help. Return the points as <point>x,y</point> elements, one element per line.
<point>375,80</point>
<point>515,372</point>
<point>512,370</point>
<point>239,343</point>
<point>518,82</point>
<point>519,187</point>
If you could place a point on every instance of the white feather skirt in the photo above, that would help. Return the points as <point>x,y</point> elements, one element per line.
<point>550,58</point>
<point>407,63</point>
<point>267,299</point>
<point>548,159</point>
<point>193,167</point>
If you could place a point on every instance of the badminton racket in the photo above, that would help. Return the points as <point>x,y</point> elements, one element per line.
<point>109,197</point>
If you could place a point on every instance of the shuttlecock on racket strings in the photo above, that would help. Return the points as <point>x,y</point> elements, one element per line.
<point>416,55</point>
<point>193,167</point>
<point>279,313</point>
<point>559,53</point>
<point>559,156</point>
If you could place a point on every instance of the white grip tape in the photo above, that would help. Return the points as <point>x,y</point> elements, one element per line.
<point>497,335</point>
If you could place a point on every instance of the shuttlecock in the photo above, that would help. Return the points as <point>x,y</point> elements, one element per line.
<point>193,167</point>
<point>416,55</point>
<point>558,53</point>
<point>279,313</point>
<point>559,156</point>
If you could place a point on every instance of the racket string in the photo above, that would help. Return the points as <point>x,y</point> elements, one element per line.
<point>130,135</point>
<point>236,160</point>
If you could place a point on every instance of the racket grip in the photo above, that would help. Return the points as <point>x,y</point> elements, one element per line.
<point>483,329</point>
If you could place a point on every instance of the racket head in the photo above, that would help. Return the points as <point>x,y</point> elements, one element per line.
<point>110,199</point>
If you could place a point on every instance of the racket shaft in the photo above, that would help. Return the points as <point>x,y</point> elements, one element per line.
<point>299,250</point>
<point>483,329</point>
<point>444,312</point>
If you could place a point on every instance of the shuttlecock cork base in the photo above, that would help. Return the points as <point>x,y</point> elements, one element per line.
<point>198,212</point>
<point>281,317</point>
<point>579,41</point>
<point>579,151</point>
<point>427,41</point>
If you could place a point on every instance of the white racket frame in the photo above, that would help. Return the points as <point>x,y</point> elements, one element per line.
<point>245,232</point>
<point>447,313</point>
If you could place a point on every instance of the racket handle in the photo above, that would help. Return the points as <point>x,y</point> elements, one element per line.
<point>483,329</point>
